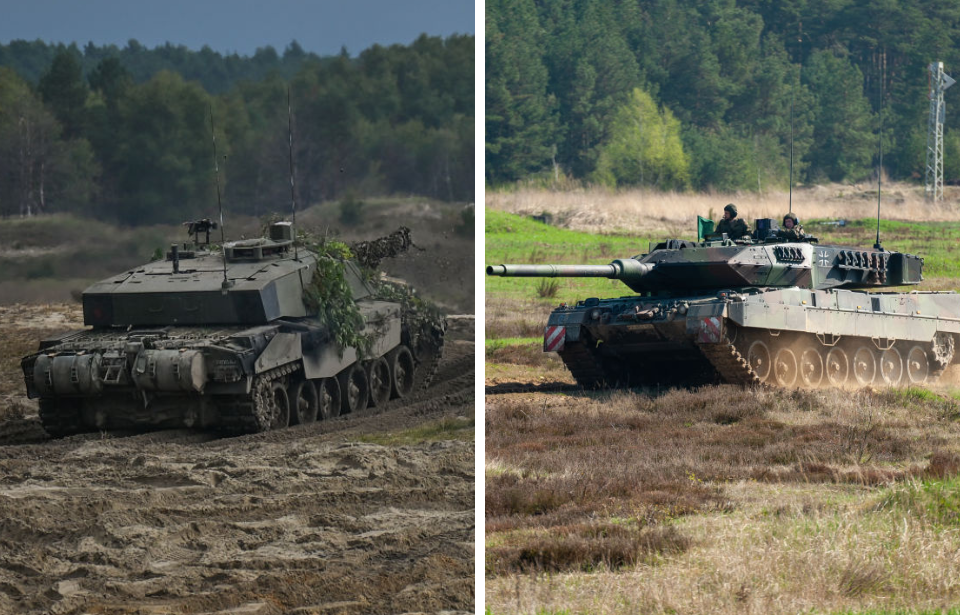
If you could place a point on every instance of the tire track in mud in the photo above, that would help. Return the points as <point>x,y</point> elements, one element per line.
<point>302,520</point>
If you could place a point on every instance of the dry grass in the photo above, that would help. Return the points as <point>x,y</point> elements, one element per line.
<point>602,210</point>
<point>520,354</point>
<point>506,317</point>
<point>772,501</point>
<point>819,551</point>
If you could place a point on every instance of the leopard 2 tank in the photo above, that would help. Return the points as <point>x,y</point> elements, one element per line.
<point>757,310</point>
<point>228,339</point>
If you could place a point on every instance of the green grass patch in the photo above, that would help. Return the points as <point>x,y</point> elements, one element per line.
<point>917,394</point>
<point>936,501</point>
<point>447,428</point>
<point>512,341</point>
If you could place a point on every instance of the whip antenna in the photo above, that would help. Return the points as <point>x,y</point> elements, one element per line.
<point>791,153</point>
<point>793,97</point>
<point>877,245</point>
<point>216,166</point>
<point>293,198</point>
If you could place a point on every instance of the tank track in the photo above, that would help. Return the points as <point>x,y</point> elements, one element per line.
<point>60,418</point>
<point>427,369</point>
<point>729,363</point>
<point>238,415</point>
<point>586,367</point>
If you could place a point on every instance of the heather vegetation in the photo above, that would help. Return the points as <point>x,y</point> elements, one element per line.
<point>711,95</point>
<point>125,135</point>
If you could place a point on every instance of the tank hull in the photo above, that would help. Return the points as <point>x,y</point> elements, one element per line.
<point>236,379</point>
<point>781,336</point>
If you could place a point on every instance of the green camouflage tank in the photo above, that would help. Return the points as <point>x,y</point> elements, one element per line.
<point>760,309</point>
<point>229,339</point>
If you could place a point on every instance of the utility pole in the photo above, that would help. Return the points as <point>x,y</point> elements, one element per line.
<point>939,81</point>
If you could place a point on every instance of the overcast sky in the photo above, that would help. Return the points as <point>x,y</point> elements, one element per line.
<point>227,26</point>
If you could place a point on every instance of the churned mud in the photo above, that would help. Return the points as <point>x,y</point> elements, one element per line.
<point>353,515</point>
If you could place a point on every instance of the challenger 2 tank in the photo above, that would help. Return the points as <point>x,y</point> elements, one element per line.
<point>229,339</point>
<point>758,310</point>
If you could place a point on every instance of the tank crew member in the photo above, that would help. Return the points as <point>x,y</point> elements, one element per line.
<point>791,230</point>
<point>734,227</point>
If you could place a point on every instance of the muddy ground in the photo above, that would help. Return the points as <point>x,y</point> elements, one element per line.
<point>308,520</point>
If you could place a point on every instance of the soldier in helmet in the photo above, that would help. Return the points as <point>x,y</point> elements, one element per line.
<point>791,231</point>
<point>734,227</point>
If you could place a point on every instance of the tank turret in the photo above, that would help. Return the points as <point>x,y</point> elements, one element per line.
<point>678,265</point>
<point>244,338</point>
<point>758,309</point>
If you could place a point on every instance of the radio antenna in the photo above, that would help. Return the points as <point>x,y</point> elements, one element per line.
<point>791,152</point>
<point>877,245</point>
<point>216,166</point>
<point>293,198</point>
<point>793,96</point>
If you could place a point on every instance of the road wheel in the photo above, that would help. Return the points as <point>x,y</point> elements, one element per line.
<point>890,367</point>
<point>304,403</point>
<point>810,364</point>
<point>328,393</point>
<point>402,370</point>
<point>758,358</point>
<point>354,389</point>
<point>785,368</point>
<point>837,366</point>
<point>864,365</point>
<point>918,365</point>
<point>380,383</point>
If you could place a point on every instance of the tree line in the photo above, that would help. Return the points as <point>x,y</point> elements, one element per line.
<point>128,135</point>
<point>714,94</point>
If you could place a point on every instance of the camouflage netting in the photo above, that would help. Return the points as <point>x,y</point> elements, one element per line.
<point>370,253</point>
<point>330,296</point>
<point>421,318</point>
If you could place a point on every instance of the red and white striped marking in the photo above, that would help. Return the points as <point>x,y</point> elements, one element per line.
<point>553,338</point>
<point>710,330</point>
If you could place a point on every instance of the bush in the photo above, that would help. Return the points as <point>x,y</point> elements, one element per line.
<point>547,288</point>
<point>466,225</point>
<point>351,210</point>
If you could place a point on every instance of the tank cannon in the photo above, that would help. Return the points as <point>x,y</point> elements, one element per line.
<point>229,339</point>
<point>754,310</point>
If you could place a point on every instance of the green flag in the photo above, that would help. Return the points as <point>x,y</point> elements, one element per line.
<point>704,227</point>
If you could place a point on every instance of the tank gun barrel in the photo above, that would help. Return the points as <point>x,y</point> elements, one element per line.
<point>626,269</point>
<point>552,271</point>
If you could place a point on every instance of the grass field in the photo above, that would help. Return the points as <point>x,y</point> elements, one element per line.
<point>716,500</point>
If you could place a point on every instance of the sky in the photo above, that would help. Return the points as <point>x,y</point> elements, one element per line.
<point>241,26</point>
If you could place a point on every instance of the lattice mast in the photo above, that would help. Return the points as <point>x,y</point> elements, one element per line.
<point>939,81</point>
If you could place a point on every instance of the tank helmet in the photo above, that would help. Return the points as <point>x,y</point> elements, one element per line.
<point>732,209</point>
<point>792,216</point>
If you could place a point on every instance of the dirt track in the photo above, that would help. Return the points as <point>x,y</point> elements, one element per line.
<point>300,521</point>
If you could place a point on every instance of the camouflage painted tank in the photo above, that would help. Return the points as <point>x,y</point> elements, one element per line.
<point>227,340</point>
<point>760,309</point>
